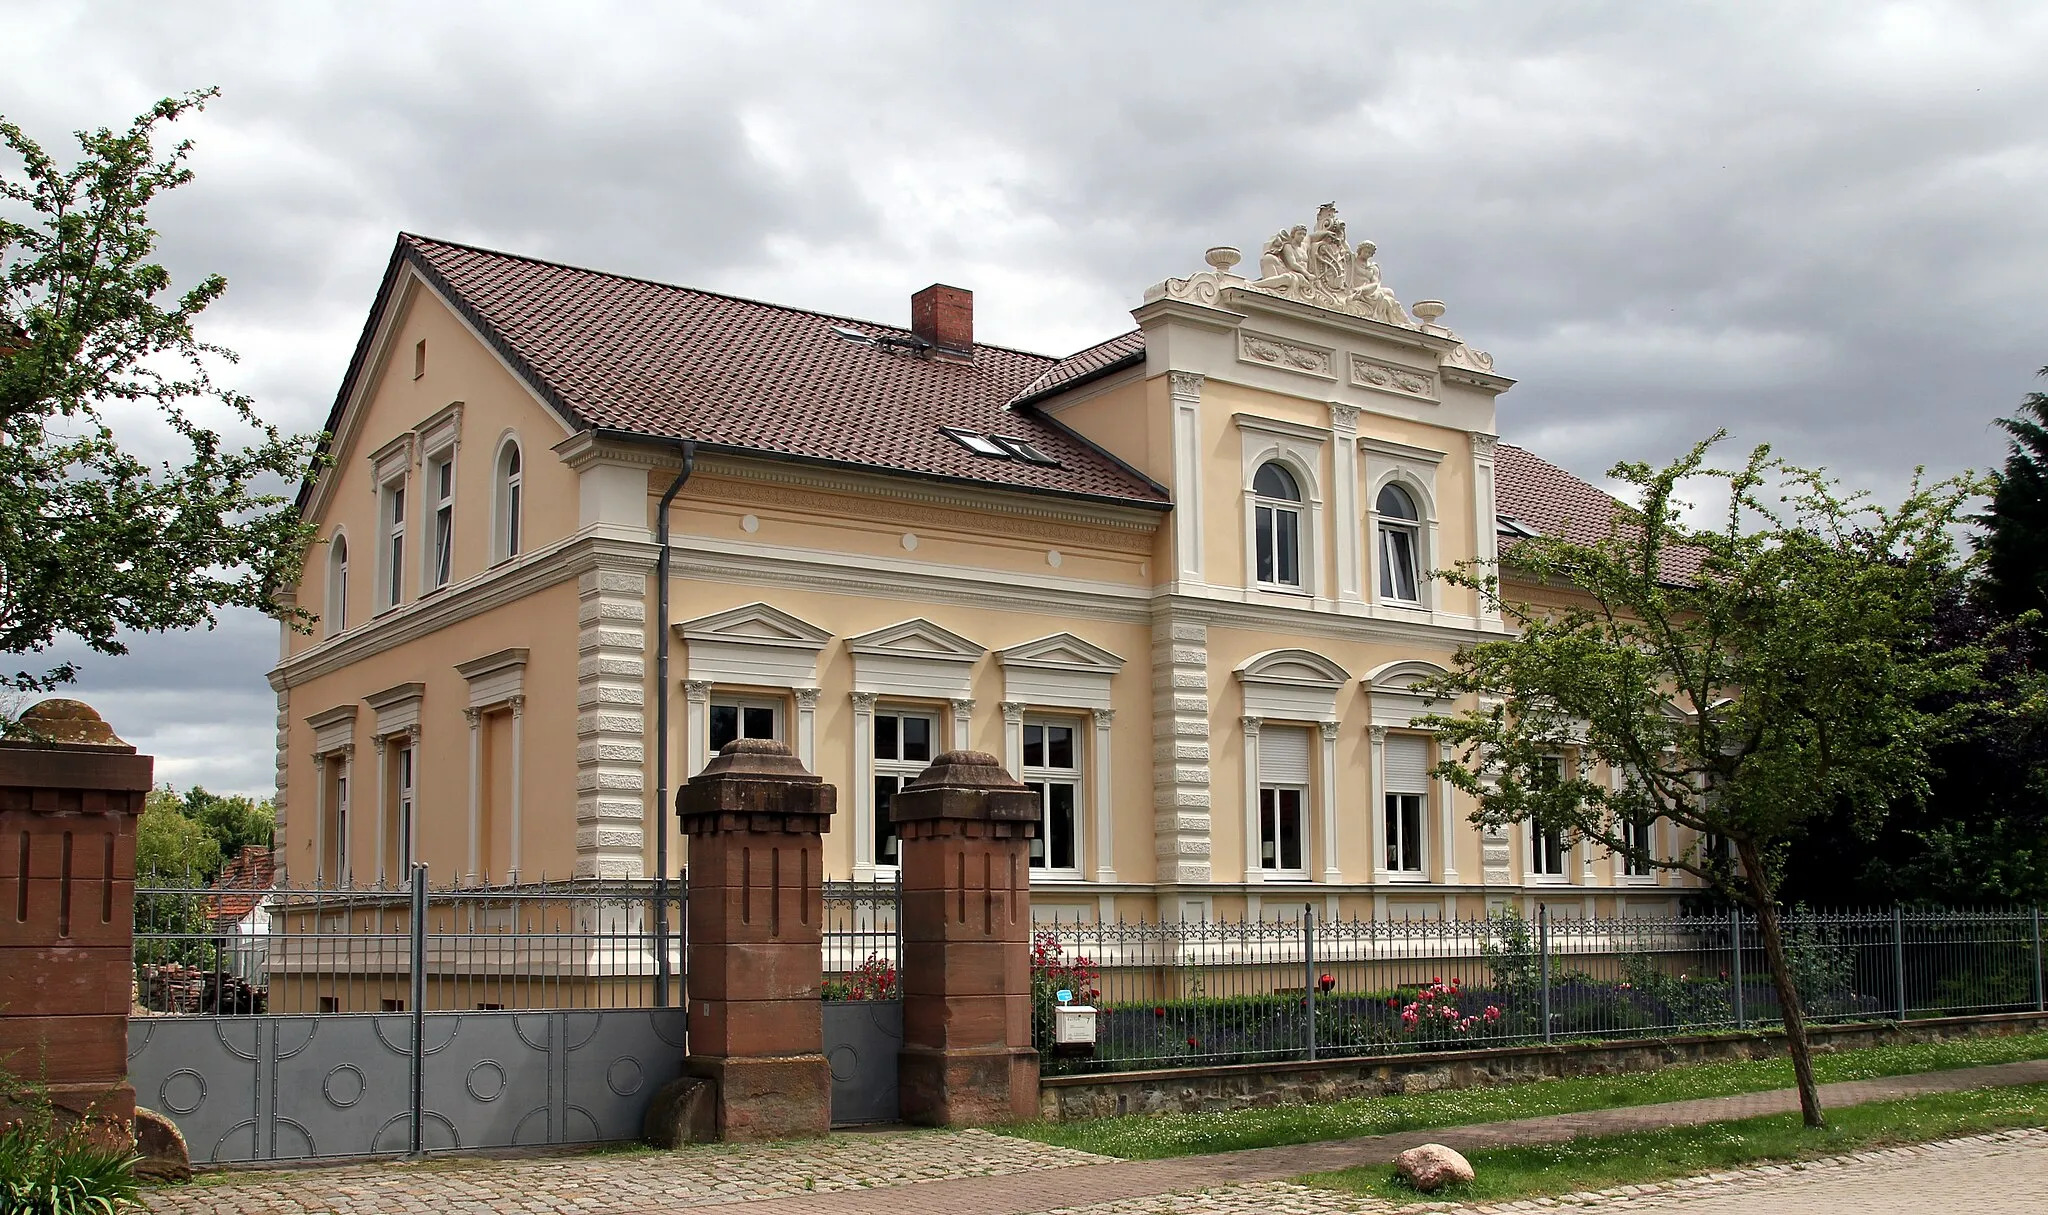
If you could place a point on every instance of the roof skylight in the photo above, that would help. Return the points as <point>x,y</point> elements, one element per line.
<point>979,444</point>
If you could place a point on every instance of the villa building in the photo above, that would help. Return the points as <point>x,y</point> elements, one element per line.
<point>1178,581</point>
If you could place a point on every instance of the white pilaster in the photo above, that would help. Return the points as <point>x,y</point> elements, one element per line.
<point>807,727</point>
<point>1186,389</point>
<point>864,786</point>
<point>611,713</point>
<point>1253,870</point>
<point>1344,501</point>
<point>1377,815</point>
<point>963,724</point>
<point>1485,525</point>
<point>1103,805</point>
<point>1013,737</point>
<point>1332,872</point>
<point>696,725</point>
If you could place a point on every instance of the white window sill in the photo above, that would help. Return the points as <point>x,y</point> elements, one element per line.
<point>1058,876</point>
<point>1407,877</point>
<point>1284,875</point>
<point>1283,588</point>
<point>1547,879</point>
<point>1639,879</point>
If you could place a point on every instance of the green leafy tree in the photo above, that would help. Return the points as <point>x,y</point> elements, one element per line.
<point>171,848</point>
<point>95,541</point>
<point>2015,541</point>
<point>1740,678</point>
<point>234,822</point>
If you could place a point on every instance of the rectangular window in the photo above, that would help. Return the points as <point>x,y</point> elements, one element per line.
<point>335,864</point>
<point>404,849</point>
<point>1546,848</point>
<point>1283,797</point>
<point>1052,770</point>
<point>1397,564</point>
<point>444,521</point>
<point>1406,782</point>
<point>734,719</point>
<point>1640,836</point>
<point>1279,545</point>
<point>394,545</point>
<point>902,749</point>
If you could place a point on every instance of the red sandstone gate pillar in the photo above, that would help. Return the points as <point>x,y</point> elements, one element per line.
<point>67,907</point>
<point>967,1060</point>
<point>755,965</point>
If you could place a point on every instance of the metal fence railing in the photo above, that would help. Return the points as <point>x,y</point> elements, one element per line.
<point>224,951</point>
<point>547,945</point>
<point>1294,986</point>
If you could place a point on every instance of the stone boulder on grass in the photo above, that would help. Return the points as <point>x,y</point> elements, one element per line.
<point>1431,1166</point>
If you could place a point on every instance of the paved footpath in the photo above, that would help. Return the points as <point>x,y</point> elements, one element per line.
<point>977,1173</point>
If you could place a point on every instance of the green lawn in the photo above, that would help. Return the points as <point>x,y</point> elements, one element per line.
<point>1149,1137</point>
<point>1615,1160</point>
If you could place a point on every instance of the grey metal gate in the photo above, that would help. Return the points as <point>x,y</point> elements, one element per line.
<point>260,1088</point>
<point>862,1038</point>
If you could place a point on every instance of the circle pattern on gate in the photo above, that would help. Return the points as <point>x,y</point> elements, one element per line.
<point>182,1091</point>
<point>344,1086</point>
<point>845,1063</point>
<point>624,1075</point>
<point>486,1081</point>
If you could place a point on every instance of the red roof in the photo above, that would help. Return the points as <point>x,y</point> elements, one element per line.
<point>242,884</point>
<point>1537,495</point>
<point>1123,350</point>
<point>626,354</point>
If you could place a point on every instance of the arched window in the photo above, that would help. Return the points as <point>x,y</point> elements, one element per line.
<point>1277,525</point>
<point>337,584</point>
<point>511,501</point>
<point>1400,540</point>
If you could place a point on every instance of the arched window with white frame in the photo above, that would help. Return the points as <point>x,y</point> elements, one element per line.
<point>336,616</point>
<point>1400,544</point>
<point>511,502</point>
<point>1276,526</point>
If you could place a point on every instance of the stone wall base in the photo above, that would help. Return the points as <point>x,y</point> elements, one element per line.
<point>1191,1090</point>
<point>958,1087</point>
<point>778,1097</point>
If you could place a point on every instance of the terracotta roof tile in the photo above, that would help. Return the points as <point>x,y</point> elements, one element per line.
<point>1122,350</point>
<point>673,362</point>
<point>1538,495</point>
<point>241,884</point>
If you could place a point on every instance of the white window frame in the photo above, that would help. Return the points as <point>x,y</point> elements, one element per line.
<point>508,532</point>
<point>437,547</point>
<point>405,782</point>
<point>1538,842</point>
<point>741,703</point>
<point>336,619</point>
<point>1397,836</point>
<point>1298,449</point>
<point>1414,469</point>
<point>391,550</point>
<point>1047,777</point>
<point>1387,527</point>
<point>1275,871</point>
<point>1630,873</point>
<point>343,878</point>
<point>1267,514</point>
<point>900,770</point>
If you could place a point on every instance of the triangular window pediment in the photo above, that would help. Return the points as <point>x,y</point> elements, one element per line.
<point>1062,651</point>
<point>756,624</point>
<point>917,638</point>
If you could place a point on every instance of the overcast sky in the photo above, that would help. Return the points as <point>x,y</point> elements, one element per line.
<point>1822,226</point>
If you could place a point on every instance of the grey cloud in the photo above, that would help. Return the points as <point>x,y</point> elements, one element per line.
<point>1817,225</point>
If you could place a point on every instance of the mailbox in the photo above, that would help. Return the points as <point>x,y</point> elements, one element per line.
<point>1073,1029</point>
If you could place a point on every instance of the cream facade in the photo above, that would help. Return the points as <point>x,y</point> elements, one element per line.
<point>1207,682</point>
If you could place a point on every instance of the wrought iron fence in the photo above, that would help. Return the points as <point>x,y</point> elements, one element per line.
<point>561,945</point>
<point>863,939</point>
<point>1292,986</point>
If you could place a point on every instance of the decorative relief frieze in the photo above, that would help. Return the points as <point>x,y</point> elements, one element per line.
<point>1391,377</point>
<point>1286,355</point>
<point>837,506</point>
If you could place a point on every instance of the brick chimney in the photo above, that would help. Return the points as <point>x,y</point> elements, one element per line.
<point>944,316</point>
